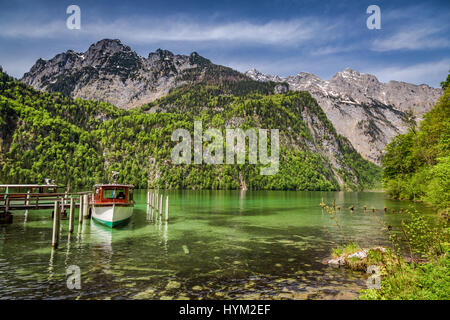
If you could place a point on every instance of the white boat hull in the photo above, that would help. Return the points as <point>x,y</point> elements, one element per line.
<point>112,215</point>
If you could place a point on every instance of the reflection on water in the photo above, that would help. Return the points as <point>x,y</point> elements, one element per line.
<point>217,244</point>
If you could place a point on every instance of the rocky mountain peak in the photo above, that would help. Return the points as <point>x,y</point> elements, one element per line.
<point>110,71</point>
<point>162,54</point>
<point>108,46</point>
<point>366,111</point>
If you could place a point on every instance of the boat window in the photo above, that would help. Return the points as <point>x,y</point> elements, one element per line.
<point>97,194</point>
<point>114,194</point>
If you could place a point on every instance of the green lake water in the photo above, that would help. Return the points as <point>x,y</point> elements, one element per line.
<point>216,245</point>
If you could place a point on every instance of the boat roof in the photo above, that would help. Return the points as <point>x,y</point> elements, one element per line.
<point>28,185</point>
<point>114,185</point>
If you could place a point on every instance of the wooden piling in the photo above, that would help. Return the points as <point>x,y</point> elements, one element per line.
<point>62,206</point>
<point>153,200</point>
<point>56,216</point>
<point>80,210</point>
<point>160,206</point>
<point>71,214</point>
<point>85,206</point>
<point>167,209</point>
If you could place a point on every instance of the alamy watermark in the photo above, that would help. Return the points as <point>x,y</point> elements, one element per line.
<point>73,274</point>
<point>235,140</point>
<point>74,20</point>
<point>374,20</point>
<point>374,281</point>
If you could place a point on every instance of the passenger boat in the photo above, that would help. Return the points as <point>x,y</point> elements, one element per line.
<point>112,204</point>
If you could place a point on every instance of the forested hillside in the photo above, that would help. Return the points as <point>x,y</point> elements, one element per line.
<point>417,164</point>
<point>78,142</point>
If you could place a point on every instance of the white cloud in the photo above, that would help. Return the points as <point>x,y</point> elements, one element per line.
<point>412,39</point>
<point>431,73</point>
<point>291,32</point>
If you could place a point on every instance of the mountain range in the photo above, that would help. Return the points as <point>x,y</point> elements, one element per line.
<point>366,111</point>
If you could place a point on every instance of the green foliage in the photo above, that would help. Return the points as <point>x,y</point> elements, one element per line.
<point>429,281</point>
<point>446,83</point>
<point>346,249</point>
<point>423,274</point>
<point>416,164</point>
<point>79,142</point>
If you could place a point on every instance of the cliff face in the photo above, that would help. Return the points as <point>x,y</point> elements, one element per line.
<point>367,112</point>
<point>110,71</point>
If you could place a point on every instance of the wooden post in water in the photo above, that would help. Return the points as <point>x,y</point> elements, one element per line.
<point>28,198</point>
<point>160,206</point>
<point>62,205</point>
<point>167,209</point>
<point>85,206</point>
<point>80,210</point>
<point>152,200</point>
<point>56,216</point>
<point>71,214</point>
<point>7,205</point>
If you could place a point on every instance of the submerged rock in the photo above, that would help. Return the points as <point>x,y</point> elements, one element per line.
<point>337,262</point>
<point>356,260</point>
<point>359,254</point>
<point>173,285</point>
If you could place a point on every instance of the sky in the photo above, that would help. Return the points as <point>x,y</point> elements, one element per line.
<point>282,37</point>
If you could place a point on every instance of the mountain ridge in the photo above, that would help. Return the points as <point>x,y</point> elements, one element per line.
<point>366,111</point>
<point>79,142</point>
<point>110,71</point>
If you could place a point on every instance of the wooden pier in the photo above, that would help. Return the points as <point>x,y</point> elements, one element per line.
<point>42,201</point>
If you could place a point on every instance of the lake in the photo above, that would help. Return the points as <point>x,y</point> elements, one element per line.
<point>216,245</point>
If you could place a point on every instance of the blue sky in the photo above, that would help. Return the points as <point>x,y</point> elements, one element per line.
<point>281,37</point>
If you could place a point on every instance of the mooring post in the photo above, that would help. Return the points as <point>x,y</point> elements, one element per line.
<point>152,199</point>
<point>86,206</point>
<point>160,206</point>
<point>71,211</point>
<point>167,209</point>
<point>62,205</point>
<point>56,216</point>
<point>7,205</point>
<point>80,210</point>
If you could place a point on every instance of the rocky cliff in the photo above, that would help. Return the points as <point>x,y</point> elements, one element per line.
<point>366,111</point>
<point>110,71</point>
